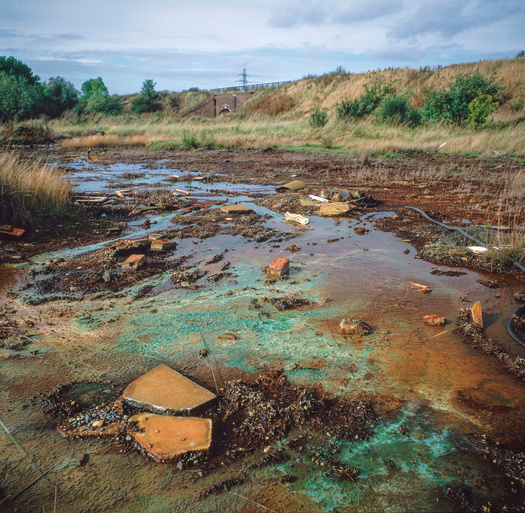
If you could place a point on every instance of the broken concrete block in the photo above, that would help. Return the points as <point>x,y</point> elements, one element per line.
<point>334,209</point>
<point>133,262</point>
<point>279,267</point>
<point>420,288</point>
<point>155,236</point>
<point>291,186</point>
<point>162,245</point>
<point>236,209</point>
<point>476,314</point>
<point>163,389</point>
<point>354,327</point>
<point>166,438</point>
<point>435,320</point>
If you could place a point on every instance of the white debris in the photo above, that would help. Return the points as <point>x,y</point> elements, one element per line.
<point>317,198</point>
<point>298,218</point>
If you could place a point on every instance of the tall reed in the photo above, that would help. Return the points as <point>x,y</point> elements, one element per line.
<point>31,191</point>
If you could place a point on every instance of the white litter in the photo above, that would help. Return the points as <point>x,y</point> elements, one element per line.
<point>477,249</point>
<point>298,218</point>
<point>317,198</point>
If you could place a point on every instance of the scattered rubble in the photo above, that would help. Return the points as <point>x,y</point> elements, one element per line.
<point>133,262</point>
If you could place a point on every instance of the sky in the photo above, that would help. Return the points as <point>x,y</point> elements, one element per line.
<point>207,44</point>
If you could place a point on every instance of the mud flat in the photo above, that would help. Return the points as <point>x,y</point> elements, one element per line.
<point>402,416</point>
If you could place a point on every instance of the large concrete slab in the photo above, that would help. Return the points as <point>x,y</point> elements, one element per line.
<point>164,389</point>
<point>236,209</point>
<point>165,437</point>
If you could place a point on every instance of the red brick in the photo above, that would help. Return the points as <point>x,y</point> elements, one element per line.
<point>133,262</point>
<point>279,267</point>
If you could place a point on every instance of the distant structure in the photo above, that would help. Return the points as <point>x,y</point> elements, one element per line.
<point>244,78</point>
<point>220,104</point>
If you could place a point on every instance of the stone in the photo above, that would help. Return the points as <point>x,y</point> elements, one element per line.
<point>164,389</point>
<point>354,327</point>
<point>109,275</point>
<point>435,320</point>
<point>133,262</point>
<point>476,314</point>
<point>334,209</point>
<point>155,236</point>
<point>162,245</point>
<point>419,287</point>
<point>236,209</point>
<point>166,438</point>
<point>97,424</point>
<point>279,267</point>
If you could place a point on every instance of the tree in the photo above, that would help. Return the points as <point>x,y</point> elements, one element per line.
<point>15,68</point>
<point>146,101</point>
<point>95,98</point>
<point>60,96</point>
<point>91,87</point>
<point>21,94</point>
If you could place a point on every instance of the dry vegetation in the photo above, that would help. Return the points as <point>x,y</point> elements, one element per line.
<point>30,191</point>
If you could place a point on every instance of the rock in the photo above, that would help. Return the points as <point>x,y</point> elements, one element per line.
<point>354,327</point>
<point>165,438</point>
<point>97,424</point>
<point>228,336</point>
<point>420,288</point>
<point>109,275</point>
<point>279,267</point>
<point>334,209</point>
<point>434,320</point>
<point>133,262</point>
<point>476,314</point>
<point>236,209</point>
<point>164,389</point>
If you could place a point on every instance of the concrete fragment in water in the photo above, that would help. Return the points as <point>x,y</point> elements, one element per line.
<point>296,218</point>
<point>133,262</point>
<point>166,438</point>
<point>163,245</point>
<point>279,267</point>
<point>236,209</point>
<point>334,209</point>
<point>476,314</point>
<point>164,389</point>
<point>420,288</point>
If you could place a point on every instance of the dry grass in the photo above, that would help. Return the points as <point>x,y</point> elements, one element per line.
<point>30,190</point>
<point>107,141</point>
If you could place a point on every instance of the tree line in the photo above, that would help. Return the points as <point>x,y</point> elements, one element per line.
<point>24,96</point>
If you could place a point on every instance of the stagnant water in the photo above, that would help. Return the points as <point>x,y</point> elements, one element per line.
<point>412,372</point>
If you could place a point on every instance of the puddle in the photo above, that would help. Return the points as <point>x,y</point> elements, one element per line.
<point>417,375</point>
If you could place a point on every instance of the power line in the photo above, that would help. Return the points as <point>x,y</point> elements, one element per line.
<point>244,78</point>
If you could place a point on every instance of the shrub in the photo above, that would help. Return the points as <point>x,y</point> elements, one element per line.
<point>452,106</point>
<point>349,109</point>
<point>480,108</point>
<point>60,95</point>
<point>318,118</point>
<point>397,110</point>
<point>146,101</point>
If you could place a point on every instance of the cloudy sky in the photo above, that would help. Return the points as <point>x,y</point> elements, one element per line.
<point>206,44</point>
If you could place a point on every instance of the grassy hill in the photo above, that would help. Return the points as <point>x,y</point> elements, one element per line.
<point>280,117</point>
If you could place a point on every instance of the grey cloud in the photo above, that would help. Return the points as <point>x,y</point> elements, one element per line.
<point>450,17</point>
<point>399,54</point>
<point>297,13</point>
<point>69,36</point>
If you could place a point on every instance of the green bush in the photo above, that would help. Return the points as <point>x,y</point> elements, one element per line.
<point>452,106</point>
<point>318,118</point>
<point>146,101</point>
<point>349,109</point>
<point>397,110</point>
<point>60,96</point>
<point>480,108</point>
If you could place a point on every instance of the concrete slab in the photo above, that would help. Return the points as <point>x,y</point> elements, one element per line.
<point>165,437</point>
<point>163,389</point>
<point>334,209</point>
<point>133,262</point>
<point>162,245</point>
<point>291,186</point>
<point>279,267</point>
<point>236,209</point>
